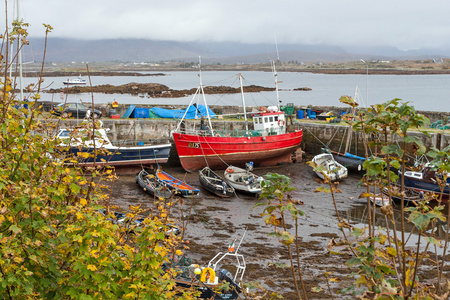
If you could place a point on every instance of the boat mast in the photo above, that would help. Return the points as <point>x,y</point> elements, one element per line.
<point>19,54</point>
<point>243,104</point>
<point>203,95</point>
<point>349,133</point>
<point>199,89</point>
<point>275,75</point>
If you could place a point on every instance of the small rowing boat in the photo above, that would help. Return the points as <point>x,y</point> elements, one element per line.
<point>176,185</point>
<point>214,183</point>
<point>150,184</point>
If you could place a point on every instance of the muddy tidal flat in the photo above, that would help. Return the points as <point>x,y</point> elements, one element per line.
<point>215,222</point>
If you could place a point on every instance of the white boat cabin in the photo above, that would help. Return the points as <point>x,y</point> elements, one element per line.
<point>270,122</point>
<point>101,138</point>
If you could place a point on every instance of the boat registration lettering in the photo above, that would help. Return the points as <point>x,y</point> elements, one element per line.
<point>194,145</point>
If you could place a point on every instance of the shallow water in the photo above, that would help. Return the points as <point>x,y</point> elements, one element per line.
<point>425,92</point>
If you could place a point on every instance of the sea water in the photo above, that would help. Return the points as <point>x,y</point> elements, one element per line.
<point>425,92</point>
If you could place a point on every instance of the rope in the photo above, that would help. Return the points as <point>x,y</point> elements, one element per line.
<point>215,153</point>
<point>331,139</point>
<point>315,136</point>
<point>203,152</point>
<point>342,141</point>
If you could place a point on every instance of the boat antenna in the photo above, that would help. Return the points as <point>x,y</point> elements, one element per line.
<point>276,46</point>
<point>243,104</point>
<point>237,248</point>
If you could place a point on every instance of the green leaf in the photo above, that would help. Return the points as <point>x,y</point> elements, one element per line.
<point>75,188</point>
<point>434,241</point>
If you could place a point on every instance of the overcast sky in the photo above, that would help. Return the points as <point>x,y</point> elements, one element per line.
<point>408,25</point>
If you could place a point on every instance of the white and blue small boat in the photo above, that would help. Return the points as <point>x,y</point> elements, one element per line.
<point>75,81</point>
<point>331,169</point>
<point>243,180</point>
<point>105,153</point>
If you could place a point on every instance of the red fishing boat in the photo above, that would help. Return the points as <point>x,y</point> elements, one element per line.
<point>268,144</point>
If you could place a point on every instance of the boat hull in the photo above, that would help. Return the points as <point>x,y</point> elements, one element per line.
<point>243,180</point>
<point>152,186</point>
<point>354,163</point>
<point>334,171</point>
<point>214,184</point>
<point>126,159</point>
<point>424,185</point>
<point>176,185</point>
<point>196,152</point>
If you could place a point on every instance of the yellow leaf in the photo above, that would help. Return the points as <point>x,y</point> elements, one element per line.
<point>408,279</point>
<point>83,201</point>
<point>179,252</point>
<point>391,251</point>
<point>92,267</point>
<point>18,259</point>
<point>83,154</point>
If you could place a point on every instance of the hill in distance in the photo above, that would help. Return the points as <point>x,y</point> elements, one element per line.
<point>142,50</point>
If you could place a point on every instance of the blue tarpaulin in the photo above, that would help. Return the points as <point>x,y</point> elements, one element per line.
<point>192,111</point>
<point>354,156</point>
<point>129,111</point>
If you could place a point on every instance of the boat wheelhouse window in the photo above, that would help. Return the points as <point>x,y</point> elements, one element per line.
<point>256,120</point>
<point>260,120</point>
<point>265,119</point>
<point>276,118</point>
<point>64,133</point>
<point>271,119</point>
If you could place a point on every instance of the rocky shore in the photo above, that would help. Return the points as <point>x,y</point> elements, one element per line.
<point>156,90</point>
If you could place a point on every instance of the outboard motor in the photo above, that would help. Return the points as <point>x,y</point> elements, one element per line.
<point>228,277</point>
<point>249,166</point>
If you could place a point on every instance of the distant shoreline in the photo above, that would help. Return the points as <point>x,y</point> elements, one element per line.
<point>160,72</point>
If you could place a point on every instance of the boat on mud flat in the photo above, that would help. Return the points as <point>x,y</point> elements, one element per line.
<point>150,184</point>
<point>214,183</point>
<point>121,219</point>
<point>411,197</point>
<point>331,169</point>
<point>212,282</point>
<point>243,180</point>
<point>380,200</point>
<point>351,161</point>
<point>126,156</point>
<point>75,81</point>
<point>175,185</point>
<point>269,143</point>
<point>425,181</point>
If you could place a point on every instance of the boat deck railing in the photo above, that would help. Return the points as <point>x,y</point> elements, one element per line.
<point>143,142</point>
<point>239,132</point>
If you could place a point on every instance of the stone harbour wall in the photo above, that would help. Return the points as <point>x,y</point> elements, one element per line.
<point>315,135</point>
